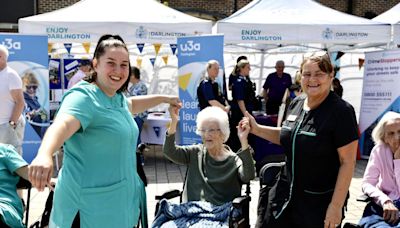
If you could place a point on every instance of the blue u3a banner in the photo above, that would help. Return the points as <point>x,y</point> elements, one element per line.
<point>193,55</point>
<point>28,56</point>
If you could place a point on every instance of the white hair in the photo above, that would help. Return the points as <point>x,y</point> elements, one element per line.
<point>4,50</point>
<point>378,133</point>
<point>216,114</point>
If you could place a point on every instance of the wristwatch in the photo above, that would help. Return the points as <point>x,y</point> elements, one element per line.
<point>12,124</point>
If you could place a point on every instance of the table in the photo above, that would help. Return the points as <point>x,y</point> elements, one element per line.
<point>154,128</point>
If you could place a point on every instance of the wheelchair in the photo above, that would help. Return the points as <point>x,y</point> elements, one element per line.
<point>24,184</point>
<point>242,203</point>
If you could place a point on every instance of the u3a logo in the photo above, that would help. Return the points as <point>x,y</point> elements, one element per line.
<point>190,46</point>
<point>9,44</point>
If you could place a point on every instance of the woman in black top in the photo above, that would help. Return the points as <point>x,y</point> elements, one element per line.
<point>319,137</point>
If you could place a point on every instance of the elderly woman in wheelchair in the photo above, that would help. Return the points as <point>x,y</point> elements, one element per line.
<point>381,180</point>
<point>215,173</point>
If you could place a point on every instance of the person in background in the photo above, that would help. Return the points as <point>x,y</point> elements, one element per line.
<point>12,167</point>
<point>243,97</point>
<point>215,172</point>
<point>381,179</point>
<point>337,87</point>
<point>274,88</point>
<point>12,122</point>
<point>319,138</point>
<point>33,110</point>
<point>98,184</point>
<point>232,76</point>
<point>209,92</point>
<point>138,88</point>
<point>83,70</point>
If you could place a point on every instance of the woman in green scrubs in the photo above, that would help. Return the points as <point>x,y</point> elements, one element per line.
<point>94,123</point>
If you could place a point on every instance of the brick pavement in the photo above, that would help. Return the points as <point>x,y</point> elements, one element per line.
<point>164,175</point>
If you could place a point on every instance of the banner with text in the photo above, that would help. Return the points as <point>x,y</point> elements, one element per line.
<point>193,55</point>
<point>380,92</point>
<point>28,56</point>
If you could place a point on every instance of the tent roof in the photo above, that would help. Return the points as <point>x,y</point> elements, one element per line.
<point>299,21</point>
<point>137,21</point>
<point>391,16</point>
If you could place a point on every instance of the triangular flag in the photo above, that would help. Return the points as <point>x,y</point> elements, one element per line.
<point>360,63</point>
<point>173,48</point>
<point>49,47</point>
<point>68,46</point>
<point>157,131</point>
<point>140,47</point>
<point>86,46</point>
<point>152,60</point>
<point>139,62</point>
<point>339,54</point>
<point>157,48</point>
<point>165,58</point>
<point>184,80</point>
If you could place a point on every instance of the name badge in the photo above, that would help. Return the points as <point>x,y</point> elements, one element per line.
<point>291,118</point>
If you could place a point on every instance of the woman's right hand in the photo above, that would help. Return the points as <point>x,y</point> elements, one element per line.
<point>252,121</point>
<point>390,212</point>
<point>41,171</point>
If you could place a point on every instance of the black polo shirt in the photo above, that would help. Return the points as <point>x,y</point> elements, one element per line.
<point>310,140</point>
<point>209,90</point>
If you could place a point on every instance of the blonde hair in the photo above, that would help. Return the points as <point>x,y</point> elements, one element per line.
<point>378,134</point>
<point>29,78</point>
<point>240,65</point>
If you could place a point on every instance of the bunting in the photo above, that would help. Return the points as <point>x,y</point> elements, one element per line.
<point>173,48</point>
<point>157,47</point>
<point>68,46</point>
<point>165,58</point>
<point>139,62</point>
<point>152,60</point>
<point>86,46</point>
<point>140,47</point>
<point>49,47</point>
<point>360,63</point>
<point>339,55</point>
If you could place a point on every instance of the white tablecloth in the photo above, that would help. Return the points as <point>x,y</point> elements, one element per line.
<point>154,128</point>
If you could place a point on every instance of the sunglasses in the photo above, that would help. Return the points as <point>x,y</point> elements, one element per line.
<point>34,87</point>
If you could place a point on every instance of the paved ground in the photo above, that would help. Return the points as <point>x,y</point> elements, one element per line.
<point>164,175</point>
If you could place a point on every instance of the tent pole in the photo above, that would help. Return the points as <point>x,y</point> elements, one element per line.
<point>261,70</point>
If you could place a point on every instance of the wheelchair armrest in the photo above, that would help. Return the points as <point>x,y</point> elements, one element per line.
<point>169,195</point>
<point>240,201</point>
<point>269,173</point>
<point>23,184</point>
<point>363,198</point>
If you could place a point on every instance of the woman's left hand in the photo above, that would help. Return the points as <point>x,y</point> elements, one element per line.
<point>243,129</point>
<point>333,216</point>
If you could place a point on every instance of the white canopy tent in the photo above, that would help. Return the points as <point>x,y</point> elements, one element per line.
<point>146,22</point>
<point>137,21</point>
<point>392,16</point>
<point>268,30</point>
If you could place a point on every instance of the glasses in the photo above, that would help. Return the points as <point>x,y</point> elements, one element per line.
<point>316,76</point>
<point>34,87</point>
<point>210,131</point>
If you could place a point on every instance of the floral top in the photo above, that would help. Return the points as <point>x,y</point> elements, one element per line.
<point>136,90</point>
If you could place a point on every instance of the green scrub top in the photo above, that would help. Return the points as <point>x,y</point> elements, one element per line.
<point>98,177</point>
<point>10,204</point>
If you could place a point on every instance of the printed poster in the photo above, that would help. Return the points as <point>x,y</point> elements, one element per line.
<point>28,56</point>
<point>193,55</point>
<point>381,92</point>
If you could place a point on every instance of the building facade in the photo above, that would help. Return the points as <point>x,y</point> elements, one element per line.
<point>218,9</point>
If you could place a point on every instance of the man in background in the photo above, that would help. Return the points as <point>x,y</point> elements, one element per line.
<point>12,122</point>
<point>274,88</point>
